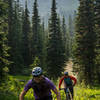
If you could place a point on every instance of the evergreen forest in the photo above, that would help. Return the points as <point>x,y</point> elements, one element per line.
<point>27,42</point>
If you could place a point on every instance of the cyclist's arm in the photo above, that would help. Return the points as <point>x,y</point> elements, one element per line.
<point>23,93</point>
<point>26,88</point>
<point>57,94</point>
<point>74,79</point>
<point>60,82</point>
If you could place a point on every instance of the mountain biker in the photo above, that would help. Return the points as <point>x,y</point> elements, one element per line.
<point>68,82</point>
<point>41,86</point>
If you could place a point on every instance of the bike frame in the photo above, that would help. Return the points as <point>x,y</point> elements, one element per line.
<point>68,94</point>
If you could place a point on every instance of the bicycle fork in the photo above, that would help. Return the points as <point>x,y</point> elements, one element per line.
<point>68,95</point>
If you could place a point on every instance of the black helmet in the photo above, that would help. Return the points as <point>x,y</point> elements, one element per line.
<point>65,73</point>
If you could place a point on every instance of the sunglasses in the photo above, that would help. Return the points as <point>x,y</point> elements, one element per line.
<point>37,76</point>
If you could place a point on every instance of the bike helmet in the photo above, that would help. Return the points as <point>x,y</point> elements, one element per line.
<point>36,71</point>
<point>65,73</point>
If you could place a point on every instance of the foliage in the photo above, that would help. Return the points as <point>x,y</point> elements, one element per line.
<point>4,62</point>
<point>44,44</point>
<point>66,39</point>
<point>13,86</point>
<point>25,42</point>
<point>35,63</point>
<point>20,77</point>
<point>85,41</point>
<point>55,49</point>
<point>36,43</point>
<point>11,89</point>
<point>70,34</point>
<point>14,36</point>
<point>97,29</point>
<point>87,94</point>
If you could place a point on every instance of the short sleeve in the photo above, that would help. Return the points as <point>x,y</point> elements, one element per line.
<point>27,86</point>
<point>52,86</point>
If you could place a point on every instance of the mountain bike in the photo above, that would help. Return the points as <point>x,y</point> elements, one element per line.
<point>68,93</point>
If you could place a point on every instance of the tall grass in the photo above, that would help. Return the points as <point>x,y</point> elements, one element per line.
<point>87,93</point>
<point>11,89</point>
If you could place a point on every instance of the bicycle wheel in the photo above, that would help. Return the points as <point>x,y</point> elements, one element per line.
<point>68,96</point>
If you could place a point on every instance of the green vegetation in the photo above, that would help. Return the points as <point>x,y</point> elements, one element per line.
<point>55,48</point>
<point>25,43</point>
<point>4,62</point>
<point>26,78</point>
<point>85,40</point>
<point>11,89</point>
<point>87,93</point>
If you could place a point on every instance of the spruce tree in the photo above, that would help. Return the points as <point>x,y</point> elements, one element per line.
<point>10,22</point>
<point>3,40</point>
<point>71,33</point>
<point>26,30</point>
<point>97,29</point>
<point>36,35</point>
<point>70,26</point>
<point>84,48</point>
<point>55,49</point>
<point>10,32</point>
<point>44,42</point>
<point>66,39</point>
<point>14,37</point>
<point>17,32</point>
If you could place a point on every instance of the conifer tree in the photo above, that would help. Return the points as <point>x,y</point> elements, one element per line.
<point>74,20</point>
<point>70,26</point>
<point>65,38</point>
<point>26,30</point>
<point>10,32</point>
<point>3,40</point>
<point>44,42</point>
<point>10,22</point>
<point>55,49</point>
<point>36,35</point>
<point>84,48</point>
<point>97,29</point>
<point>14,37</point>
<point>71,33</point>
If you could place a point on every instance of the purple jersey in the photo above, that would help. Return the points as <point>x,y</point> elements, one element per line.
<point>40,90</point>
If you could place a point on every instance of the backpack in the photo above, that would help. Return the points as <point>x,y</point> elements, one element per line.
<point>68,81</point>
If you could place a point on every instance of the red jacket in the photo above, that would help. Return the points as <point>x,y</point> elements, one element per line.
<point>71,77</point>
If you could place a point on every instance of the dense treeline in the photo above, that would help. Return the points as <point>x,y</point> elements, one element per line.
<point>97,29</point>
<point>3,41</point>
<point>86,51</point>
<point>25,42</point>
<point>31,43</point>
<point>55,49</point>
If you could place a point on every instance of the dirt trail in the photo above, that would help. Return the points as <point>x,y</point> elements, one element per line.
<point>69,67</point>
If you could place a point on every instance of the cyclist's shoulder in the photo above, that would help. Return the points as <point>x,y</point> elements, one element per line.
<point>47,79</point>
<point>30,81</point>
<point>62,78</point>
<point>72,77</point>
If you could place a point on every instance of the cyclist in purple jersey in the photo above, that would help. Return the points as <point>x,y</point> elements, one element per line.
<point>41,86</point>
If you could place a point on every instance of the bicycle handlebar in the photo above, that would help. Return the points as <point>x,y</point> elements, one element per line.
<point>65,88</point>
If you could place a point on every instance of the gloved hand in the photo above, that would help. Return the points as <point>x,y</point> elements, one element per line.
<point>73,85</point>
<point>59,88</point>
